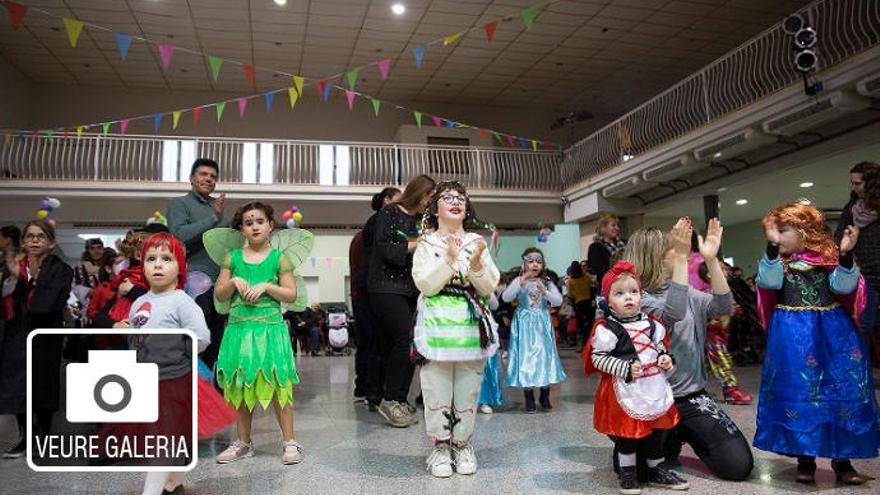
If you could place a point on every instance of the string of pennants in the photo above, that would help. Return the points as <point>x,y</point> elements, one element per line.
<point>329,261</point>
<point>74,28</point>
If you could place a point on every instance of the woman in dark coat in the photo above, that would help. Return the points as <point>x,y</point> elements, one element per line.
<point>40,286</point>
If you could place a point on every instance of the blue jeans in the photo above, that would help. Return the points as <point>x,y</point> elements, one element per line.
<point>315,338</point>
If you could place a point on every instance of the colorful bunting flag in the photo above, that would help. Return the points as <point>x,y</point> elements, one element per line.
<point>106,127</point>
<point>16,13</point>
<point>419,54</point>
<point>175,118</point>
<point>490,28</point>
<point>249,71</point>
<point>534,145</point>
<point>293,96</point>
<point>79,132</point>
<point>510,140</point>
<point>66,132</point>
<point>418,117</point>
<point>123,126</point>
<point>298,82</point>
<point>529,15</point>
<point>215,63</point>
<point>483,132</point>
<point>329,262</point>
<point>270,97</point>
<point>384,67</point>
<point>352,77</point>
<point>7,138</point>
<point>220,106</point>
<point>313,261</point>
<point>123,42</point>
<point>157,121</point>
<point>50,134</point>
<point>242,106</point>
<point>376,104</point>
<point>349,95</point>
<point>325,91</point>
<point>437,121</point>
<point>450,124</point>
<point>452,38</point>
<point>197,116</point>
<point>165,53</point>
<point>74,29</point>
<point>497,137</point>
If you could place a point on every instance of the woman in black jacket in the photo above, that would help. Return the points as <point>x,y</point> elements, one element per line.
<point>393,294</point>
<point>41,287</point>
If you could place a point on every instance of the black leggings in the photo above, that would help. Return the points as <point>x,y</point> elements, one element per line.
<point>650,447</point>
<point>365,364</point>
<point>393,323</point>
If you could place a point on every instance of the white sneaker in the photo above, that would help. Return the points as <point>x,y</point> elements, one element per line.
<point>292,453</point>
<point>465,460</point>
<point>486,409</point>
<point>440,461</point>
<point>237,451</point>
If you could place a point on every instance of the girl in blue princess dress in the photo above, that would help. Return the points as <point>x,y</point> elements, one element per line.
<point>534,361</point>
<point>817,393</point>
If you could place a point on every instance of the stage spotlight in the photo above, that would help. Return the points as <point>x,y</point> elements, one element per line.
<point>805,38</point>
<point>805,61</point>
<point>793,23</point>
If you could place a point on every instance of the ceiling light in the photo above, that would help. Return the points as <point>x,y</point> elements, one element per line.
<point>806,184</point>
<point>741,202</point>
<point>280,3</point>
<point>717,155</point>
<point>398,8</point>
<point>722,189</point>
<point>805,201</point>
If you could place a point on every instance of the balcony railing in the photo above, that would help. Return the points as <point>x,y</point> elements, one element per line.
<point>97,157</point>
<point>755,70</point>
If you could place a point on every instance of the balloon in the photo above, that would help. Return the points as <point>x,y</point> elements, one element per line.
<point>294,208</point>
<point>42,214</point>
<point>51,221</point>
<point>54,203</point>
<point>298,217</point>
<point>291,224</point>
<point>157,214</point>
<point>44,204</point>
<point>286,215</point>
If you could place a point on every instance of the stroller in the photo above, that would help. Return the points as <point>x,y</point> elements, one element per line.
<point>337,334</point>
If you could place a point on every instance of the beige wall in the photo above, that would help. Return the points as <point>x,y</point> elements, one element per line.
<point>71,105</point>
<point>17,93</point>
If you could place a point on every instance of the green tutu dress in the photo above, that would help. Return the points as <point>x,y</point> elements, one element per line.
<point>256,358</point>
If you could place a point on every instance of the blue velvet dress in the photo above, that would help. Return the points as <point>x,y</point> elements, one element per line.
<point>490,389</point>
<point>817,393</point>
<point>533,359</point>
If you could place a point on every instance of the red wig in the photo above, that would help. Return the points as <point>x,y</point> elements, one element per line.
<point>168,241</point>
<point>810,224</point>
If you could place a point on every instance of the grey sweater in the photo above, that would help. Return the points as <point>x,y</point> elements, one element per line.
<point>168,310</point>
<point>686,311</point>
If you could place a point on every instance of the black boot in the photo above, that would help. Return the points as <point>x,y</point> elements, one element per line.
<point>530,401</point>
<point>806,470</point>
<point>629,485</point>
<point>544,399</point>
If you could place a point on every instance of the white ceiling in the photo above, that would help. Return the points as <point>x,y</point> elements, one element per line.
<point>606,56</point>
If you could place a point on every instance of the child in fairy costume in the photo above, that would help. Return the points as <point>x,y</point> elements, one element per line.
<point>257,277</point>
<point>817,393</point>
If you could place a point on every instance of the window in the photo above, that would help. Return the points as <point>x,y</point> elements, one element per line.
<point>177,159</point>
<point>334,163</point>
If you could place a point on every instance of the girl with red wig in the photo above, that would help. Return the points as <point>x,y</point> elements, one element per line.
<point>817,393</point>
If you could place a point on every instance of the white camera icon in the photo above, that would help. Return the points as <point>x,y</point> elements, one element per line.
<point>112,388</point>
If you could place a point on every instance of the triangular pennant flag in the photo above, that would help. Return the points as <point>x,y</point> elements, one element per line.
<point>529,15</point>
<point>293,96</point>
<point>325,91</point>
<point>510,140</point>
<point>220,107</point>
<point>270,97</point>
<point>123,126</point>
<point>497,137</point>
<point>165,53</point>
<point>419,54</point>
<point>313,261</point>
<point>16,13</point>
<point>106,127</point>
<point>242,106</point>
<point>384,67</point>
<point>450,124</point>
<point>437,121</point>
<point>123,42</point>
<point>215,63</point>
<point>349,95</point>
<point>376,104</point>
<point>74,28</point>
<point>329,261</point>
<point>79,132</point>
<point>352,77</point>
<point>249,71</point>
<point>452,38</point>
<point>534,145</point>
<point>490,28</point>
<point>197,115</point>
<point>298,82</point>
<point>523,143</point>
<point>50,134</point>
<point>157,121</point>
<point>66,132</point>
<point>418,117</point>
<point>7,138</point>
<point>20,137</point>
<point>175,118</point>
<point>483,132</point>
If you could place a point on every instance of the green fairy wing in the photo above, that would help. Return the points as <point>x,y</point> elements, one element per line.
<point>218,242</point>
<point>302,296</point>
<point>295,244</point>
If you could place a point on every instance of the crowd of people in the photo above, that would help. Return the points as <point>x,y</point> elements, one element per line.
<point>646,313</point>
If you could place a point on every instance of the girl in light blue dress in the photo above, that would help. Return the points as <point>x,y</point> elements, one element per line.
<point>534,361</point>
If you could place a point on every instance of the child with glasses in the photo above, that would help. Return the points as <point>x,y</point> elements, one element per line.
<point>534,360</point>
<point>454,331</point>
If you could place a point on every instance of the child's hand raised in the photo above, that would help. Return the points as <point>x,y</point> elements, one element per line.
<point>635,369</point>
<point>710,245</point>
<point>849,239</point>
<point>477,256</point>
<point>772,232</point>
<point>451,250</point>
<point>681,236</point>
<point>665,362</point>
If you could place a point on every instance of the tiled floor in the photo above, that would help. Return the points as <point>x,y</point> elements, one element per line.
<point>350,450</point>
